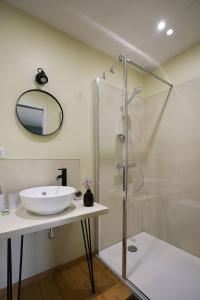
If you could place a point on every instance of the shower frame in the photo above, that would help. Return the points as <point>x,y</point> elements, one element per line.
<point>125,60</point>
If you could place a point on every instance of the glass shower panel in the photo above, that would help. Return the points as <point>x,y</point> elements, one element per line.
<point>172,160</point>
<point>163,245</point>
<point>142,193</point>
<point>158,156</point>
<point>110,134</point>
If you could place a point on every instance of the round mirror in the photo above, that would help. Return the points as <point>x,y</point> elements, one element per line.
<point>39,112</point>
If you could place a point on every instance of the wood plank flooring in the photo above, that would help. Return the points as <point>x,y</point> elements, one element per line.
<point>73,284</point>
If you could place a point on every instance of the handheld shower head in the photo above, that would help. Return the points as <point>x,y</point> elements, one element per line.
<point>136,91</point>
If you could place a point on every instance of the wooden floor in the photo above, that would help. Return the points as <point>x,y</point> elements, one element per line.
<point>73,284</point>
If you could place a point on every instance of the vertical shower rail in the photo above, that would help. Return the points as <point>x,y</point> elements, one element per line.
<point>125,173</point>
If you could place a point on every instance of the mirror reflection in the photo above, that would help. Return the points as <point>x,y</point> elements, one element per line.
<point>39,112</point>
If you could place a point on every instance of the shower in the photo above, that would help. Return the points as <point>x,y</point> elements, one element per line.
<point>126,237</point>
<point>135,92</point>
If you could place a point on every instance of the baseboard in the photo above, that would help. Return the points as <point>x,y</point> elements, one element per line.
<point>39,276</point>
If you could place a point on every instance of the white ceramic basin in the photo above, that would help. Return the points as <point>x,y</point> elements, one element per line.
<point>47,200</point>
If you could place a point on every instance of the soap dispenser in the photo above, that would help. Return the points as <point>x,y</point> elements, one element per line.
<point>2,200</point>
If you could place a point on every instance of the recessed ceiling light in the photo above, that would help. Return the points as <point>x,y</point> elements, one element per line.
<point>161,25</point>
<point>170,31</point>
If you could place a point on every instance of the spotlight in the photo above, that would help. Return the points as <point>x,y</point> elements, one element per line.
<point>41,77</point>
<point>170,31</point>
<point>161,25</point>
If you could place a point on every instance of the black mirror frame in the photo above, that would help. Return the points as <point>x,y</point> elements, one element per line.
<point>47,93</point>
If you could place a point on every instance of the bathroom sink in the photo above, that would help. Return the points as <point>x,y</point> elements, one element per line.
<point>47,200</point>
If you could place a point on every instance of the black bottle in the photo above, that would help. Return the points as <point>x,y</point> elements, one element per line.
<point>88,199</point>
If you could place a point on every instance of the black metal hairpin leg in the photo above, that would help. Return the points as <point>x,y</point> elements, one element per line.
<point>85,225</point>
<point>9,270</point>
<point>20,268</point>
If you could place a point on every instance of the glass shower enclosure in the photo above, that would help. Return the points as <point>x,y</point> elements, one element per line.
<point>135,238</point>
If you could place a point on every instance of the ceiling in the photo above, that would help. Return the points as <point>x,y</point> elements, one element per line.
<point>123,26</point>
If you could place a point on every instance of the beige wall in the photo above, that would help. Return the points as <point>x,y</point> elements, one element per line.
<point>26,44</point>
<point>177,70</point>
<point>71,66</point>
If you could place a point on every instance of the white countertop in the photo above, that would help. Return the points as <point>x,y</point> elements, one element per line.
<point>20,221</point>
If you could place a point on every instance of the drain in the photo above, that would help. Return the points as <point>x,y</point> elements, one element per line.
<point>132,248</point>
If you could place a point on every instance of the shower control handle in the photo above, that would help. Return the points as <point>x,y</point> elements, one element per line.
<point>122,166</point>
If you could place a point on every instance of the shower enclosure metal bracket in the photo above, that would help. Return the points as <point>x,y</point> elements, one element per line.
<point>125,170</point>
<point>96,86</point>
<point>136,291</point>
<point>132,63</point>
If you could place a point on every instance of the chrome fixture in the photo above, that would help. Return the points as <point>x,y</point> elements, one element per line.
<point>112,70</point>
<point>135,92</point>
<point>121,136</point>
<point>121,165</point>
<point>51,233</point>
<point>103,75</point>
<point>124,169</point>
<point>130,62</point>
<point>132,248</point>
<point>41,76</point>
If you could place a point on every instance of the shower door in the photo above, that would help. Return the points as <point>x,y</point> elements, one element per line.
<point>147,173</point>
<point>163,145</point>
<point>109,156</point>
<point>111,189</point>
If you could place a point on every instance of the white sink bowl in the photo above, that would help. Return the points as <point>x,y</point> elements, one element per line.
<point>47,200</point>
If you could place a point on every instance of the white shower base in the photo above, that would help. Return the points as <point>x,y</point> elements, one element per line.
<point>160,270</point>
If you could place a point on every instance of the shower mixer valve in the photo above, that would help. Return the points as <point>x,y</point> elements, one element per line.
<point>121,165</point>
